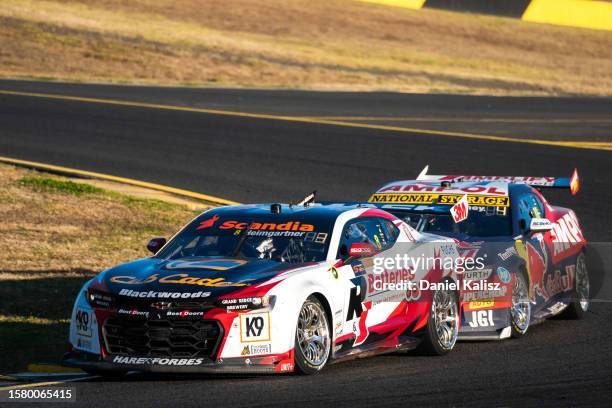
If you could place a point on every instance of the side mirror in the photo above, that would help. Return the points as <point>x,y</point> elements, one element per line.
<point>361,249</point>
<point>540,225</point>
<point>156,244</point>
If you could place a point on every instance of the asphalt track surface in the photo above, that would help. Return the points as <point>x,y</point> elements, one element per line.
<point>249,159</point>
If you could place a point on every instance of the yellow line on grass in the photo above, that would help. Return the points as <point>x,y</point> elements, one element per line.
<point>300,119</point>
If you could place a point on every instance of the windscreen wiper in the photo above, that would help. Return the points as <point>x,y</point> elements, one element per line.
<point>241,241</point>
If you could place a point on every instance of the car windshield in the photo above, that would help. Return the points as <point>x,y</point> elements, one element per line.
<point>276,238</point>
<point>485,221</point>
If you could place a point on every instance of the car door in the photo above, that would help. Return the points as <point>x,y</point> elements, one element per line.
<point>363,308</point>
<point>535,250</point>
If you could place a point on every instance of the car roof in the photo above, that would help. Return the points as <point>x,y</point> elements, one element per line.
<point>320,211</point>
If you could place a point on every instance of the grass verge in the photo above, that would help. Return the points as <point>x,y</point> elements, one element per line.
<point>55,235</point>
<point>330,44</point>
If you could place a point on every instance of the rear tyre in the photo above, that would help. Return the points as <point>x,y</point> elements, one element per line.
<point>580,295</point>
<point>520,312</point>
<point>312,338</point>
<point>442,323</point>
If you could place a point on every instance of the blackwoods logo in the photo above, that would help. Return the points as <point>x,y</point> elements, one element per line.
<point>160,295</point>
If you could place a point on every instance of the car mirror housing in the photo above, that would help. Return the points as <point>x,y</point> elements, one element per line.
<point>156,244</point>
<point>540,225</point>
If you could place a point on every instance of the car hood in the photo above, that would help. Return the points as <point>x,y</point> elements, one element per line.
<point>198,276</point>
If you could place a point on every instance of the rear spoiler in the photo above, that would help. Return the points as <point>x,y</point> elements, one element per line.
<point>573,183</point>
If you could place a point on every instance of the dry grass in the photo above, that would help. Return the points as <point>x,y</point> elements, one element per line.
<point>298,43</point>
<point>48,227</point>
<point>55,235</point>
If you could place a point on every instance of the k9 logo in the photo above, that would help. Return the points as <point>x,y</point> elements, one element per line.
<point>255,327</point>
<point>83,321</point>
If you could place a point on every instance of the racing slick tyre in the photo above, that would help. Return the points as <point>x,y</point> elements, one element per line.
<point>312,338</point>
<point>442,324</point>
<point>580,295</point>
<point>520,312</point>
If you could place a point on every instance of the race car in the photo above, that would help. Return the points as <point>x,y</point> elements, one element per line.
<point>267,288</point>
<point>538,248</point>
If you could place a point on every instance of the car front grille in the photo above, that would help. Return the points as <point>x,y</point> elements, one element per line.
<point>164,337</point>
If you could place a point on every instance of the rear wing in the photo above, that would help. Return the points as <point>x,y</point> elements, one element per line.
<point>573,183</point>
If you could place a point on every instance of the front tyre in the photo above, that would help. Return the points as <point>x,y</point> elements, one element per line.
<point>580,295</point>
<point>442,324</point>
<point>312,338</point>
<point>520,312</point>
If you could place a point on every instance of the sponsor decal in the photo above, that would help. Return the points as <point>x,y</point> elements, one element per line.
<point>284,367</point>
<point>161,295</point>
<point>208,223</point>
<point>460,210</point>
<point>358,268</point>
<point>213,264</point>
<point>179,279</point>
<point>504,274</point>
<point>83,322</point>
<point>133,312</point>
<point>157,361</point>
<point>338,328</point>
<point>358,309</point>
<point>557,283</point>
<point>184,313</point>
<point>268,226</point>
<point>566,233</point>
<point>507,253</point>
<point>534,181</point>
<point>334,272</point>
<point>478,274</point>
<point>254,349</point>
<point>83,343</point>
<point>483,304</point>
<point>246,303</point>
<point>254,327</point>
<point>440,199</point>
<point>485,294</point>
<point>447,249</point>
<point>437,188</point>
<point>481,318</point>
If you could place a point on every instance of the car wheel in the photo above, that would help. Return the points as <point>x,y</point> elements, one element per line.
<point>520,312</point>
<point>312,338</point>
<point>442,323</point>
<point>580,295</point>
